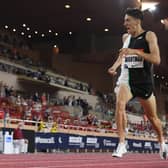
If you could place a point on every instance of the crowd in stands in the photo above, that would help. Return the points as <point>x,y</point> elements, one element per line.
<point>51,116</point>
<point>35,107</point>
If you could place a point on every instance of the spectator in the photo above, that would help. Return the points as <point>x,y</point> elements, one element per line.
<point>54,128</point>
<point>42,126</point>
<point>19,142</point>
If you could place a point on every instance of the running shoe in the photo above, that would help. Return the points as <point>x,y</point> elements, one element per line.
<point>121,149</point>
<point>163,151</point>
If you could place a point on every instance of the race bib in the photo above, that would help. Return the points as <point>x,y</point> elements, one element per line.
<point>134,61</point>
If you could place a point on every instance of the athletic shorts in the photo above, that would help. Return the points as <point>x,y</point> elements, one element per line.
<point>143,91</point>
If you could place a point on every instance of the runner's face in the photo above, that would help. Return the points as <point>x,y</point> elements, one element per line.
<point>130,24</point>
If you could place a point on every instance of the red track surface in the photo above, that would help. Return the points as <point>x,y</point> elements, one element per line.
<point>82,160</point>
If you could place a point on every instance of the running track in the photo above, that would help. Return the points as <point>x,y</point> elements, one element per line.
<point>82,160</point>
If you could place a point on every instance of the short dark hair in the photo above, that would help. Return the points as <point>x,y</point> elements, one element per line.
<point>134,12</point>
